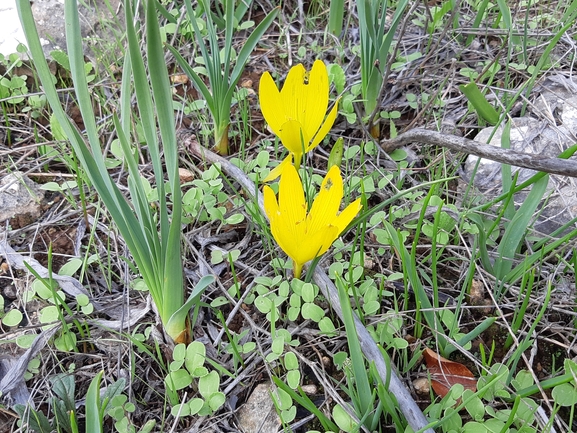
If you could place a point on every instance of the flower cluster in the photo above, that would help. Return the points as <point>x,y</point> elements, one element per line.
<point>297,115</point>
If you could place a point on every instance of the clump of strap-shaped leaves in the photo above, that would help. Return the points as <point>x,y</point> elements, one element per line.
<point>222,81</point>
<point>151,233</point>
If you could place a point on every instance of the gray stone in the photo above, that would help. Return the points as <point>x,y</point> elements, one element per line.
<point>49,16</point>
<point>258,414</point>
<point>547,131</point>
<point>19,197</point>
<point>11,33</point>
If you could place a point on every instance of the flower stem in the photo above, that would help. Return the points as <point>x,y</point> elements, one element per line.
<point>298,157</point>
<point>297,269</point>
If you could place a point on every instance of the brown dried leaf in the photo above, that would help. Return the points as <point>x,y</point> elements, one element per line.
<point>185,175</point>
<point>179,79</point>
<point>444,374</point>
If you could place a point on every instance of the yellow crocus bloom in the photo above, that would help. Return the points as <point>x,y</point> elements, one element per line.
<point>297,113</point>
<point>301,233</point>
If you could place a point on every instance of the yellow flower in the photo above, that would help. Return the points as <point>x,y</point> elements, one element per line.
<point>305,235</point>
<point>297,113</point>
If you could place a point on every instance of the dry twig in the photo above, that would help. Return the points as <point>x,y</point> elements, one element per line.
<point>563,167</point>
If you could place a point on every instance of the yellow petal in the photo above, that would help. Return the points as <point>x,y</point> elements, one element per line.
<point>288,235</point>
<point>315,244</point>
<point>291,197</point>
<point>315,99</point>
<point>276,172</point>
<point>291,92</point>
<point>270,203</point>
<point>347,215</point>
<point>325,128</point>
<point>271,103</point>
<point>327,237</point>
<point>293,136</point>
<point>326,205</point>
<point>285,231</point>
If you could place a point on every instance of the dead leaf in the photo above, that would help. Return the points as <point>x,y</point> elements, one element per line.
<point>185,175</point>
<point>421,386</point>
<point>444,374</point>
<point>179,79</point>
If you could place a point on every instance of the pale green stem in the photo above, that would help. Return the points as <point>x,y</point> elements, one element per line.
<point>221,140</point>
<point>298,158</point>
<point>297,269</point>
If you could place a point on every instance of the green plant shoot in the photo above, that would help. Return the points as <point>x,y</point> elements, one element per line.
<point>222,81</point>
<point>156,250</point>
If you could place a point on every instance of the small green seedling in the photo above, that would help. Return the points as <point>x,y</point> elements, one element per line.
<point>186,368</point>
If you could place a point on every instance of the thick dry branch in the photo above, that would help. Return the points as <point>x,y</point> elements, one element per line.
<point>563,167</point>
<point>407,404</point>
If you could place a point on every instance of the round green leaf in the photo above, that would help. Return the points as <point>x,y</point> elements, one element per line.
<point>249,347</point>
<point>82,299</point>
<point>326,326</point>
<point>293,378</point>
<point>178,379</point>
<point>216,400</point>
<point>49,314</point>
<point>289,415</point>
<point>13,317</point>
<point>25,341</point>
<point>195,405</point>
<point>565,395</point>
<point>278,345</point>
<point>87,309</point>
<point>308,292</point>
<point>339,358</point>
<point>219,302</point>
<point>179,353</point>
<point>208,384</point>
<point>180,410</point>
<point>176,365</point>
<point>263,304</point>
<point>371,307</point>
<point>343,419</point>
<point>283,399</point>
<point>312,311</point>
<point>524,379</point>
<point>295,301</point>
<point>237,218</point>
<point>195,356</point>
<point>34,364</point>
<point>400,343</point>
<point>474,427</point>
<point>66,342</point>
<point>291,361</point>
<point>70,267</point>
<point>199,372</point>
<point>293,313</point>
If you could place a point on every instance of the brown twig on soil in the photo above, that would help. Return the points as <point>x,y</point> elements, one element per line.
<point>563,167</point>
<point>407,404</point>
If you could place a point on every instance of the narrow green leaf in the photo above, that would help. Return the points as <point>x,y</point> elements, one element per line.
<point>250,44</point>
<point>364,392</point>
<point>477,99</point>
<point>515,231</point>
<point>94,418</point>
<point>336,14</point>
